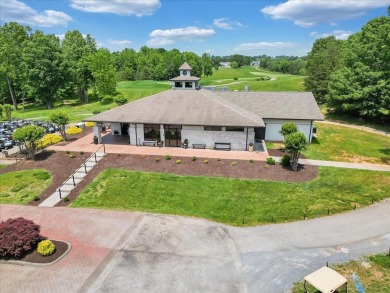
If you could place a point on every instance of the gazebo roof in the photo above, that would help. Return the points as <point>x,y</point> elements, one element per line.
<point>185,66</point>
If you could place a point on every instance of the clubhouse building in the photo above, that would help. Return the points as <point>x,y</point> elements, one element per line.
<point>203,118</point>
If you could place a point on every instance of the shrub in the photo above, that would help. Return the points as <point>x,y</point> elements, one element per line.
<point>46,248</point>
<point>251,161</point>
<point>143,156</point>
<point>18,236</point>
<point>106,100</point>
<point>234,163</point>
<point>271,161</point>
<point>95,112</point>
<point>81,153</point>
<point>89,124</point>
<point>50,139</point>
<point>285,161</point>
<point>194,158</point>
<point>74,130</point>
<point>36,198</point>
<point>120,101</point>
<point>206,161</point>
<point>157,160</point>
<point>66,199</point>
<point>178,162</point>
<point>71,156</point>
<point>218,159</point>
<point>266,166</point>
<point>67,152</point>
<point>167,157</point>
<point>235,78</point>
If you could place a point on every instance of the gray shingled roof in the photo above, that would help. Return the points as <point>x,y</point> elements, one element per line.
<point>277,105</point>
<point>185,66</point>
<point>184,107</point>
<point>204,107</point>
<point>185,78</point>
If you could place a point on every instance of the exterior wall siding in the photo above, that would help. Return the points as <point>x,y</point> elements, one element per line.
<point>117,127</point>
<point>196,135</point>
<point>273,126</point>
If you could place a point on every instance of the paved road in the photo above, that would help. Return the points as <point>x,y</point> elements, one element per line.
<point>137,252</point>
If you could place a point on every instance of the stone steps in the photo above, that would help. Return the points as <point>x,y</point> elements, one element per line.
<point>72,181</point>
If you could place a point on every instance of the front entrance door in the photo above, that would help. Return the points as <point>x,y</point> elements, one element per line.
<point>172,135</point>
<point>124,128</point>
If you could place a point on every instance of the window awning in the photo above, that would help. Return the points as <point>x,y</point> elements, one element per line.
<point>326,280</point>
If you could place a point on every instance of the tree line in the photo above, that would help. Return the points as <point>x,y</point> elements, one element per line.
<point>353,76</point>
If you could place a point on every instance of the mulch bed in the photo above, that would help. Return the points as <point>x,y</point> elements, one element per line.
<point>214,168</point>
<point>34,257</point>
<point>59,164</point>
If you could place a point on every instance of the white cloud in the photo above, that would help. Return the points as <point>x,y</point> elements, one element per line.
<point>14,10</point>
<point>225,23</point>
<point>307,13</point>
<point>171,36</point>
<point>119,42</point>
<point>338,34</point>
<point>263,45</point>
<point>62,36</point>
<point>121,7</point>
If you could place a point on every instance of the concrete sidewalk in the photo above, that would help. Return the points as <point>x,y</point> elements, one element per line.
<point>360,166</point>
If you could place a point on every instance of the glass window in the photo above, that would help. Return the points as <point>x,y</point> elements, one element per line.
<point>213,128</point>
<point>234,128</point>
<point>152,131</point>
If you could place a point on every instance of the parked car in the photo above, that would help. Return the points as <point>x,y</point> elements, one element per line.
<point>5,144</point>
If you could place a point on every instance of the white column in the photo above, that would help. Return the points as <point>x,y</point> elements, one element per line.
<point>97,132</point>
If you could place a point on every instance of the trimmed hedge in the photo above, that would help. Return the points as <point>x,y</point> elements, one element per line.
<point>74,130</point>
<point>46,248</point>
<point>18,236</point>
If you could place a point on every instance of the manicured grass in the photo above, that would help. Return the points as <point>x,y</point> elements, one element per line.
<point>20,187</point>
<point>3,166</point>
<point>235,201</point>
<point>373,278</point>
<point>131,90</point>
<point>339,143</point>
<point>250,75</point>
<point>353,120</point>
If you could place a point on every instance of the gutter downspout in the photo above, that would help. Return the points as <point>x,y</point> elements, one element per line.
<point>246,144</point>
<point>136,138</point>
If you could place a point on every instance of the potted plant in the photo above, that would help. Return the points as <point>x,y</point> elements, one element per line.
<point>185,144</point>
<point>95,139</point>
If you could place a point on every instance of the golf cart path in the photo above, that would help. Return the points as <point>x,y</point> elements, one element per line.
<point>115,251</point>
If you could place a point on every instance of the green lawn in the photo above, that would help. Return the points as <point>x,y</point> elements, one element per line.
<point>20,187</point>
<point>353,120</point>
<point>252,77</point>
<point>131,90</point>
<point>235,201</point>
<point>3,166</point>
<point>374,279</point>
<point>337,143</point>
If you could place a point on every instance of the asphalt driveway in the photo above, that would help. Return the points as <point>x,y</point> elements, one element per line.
<point>136,252</point>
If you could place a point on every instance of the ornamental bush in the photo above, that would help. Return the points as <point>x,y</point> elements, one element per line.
<point>18,236</point>
<point>46,248</point>
<point>120,100</point>
<point>271,161</point>
<point>178,161</point>
<point>50,139</point>
<point>89,124</point>
<point>74,130</point>
<point>285,161</point>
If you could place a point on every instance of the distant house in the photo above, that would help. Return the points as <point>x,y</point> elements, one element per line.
<point>255,63</point>
<point>207,118</point>
<point>224,64</point>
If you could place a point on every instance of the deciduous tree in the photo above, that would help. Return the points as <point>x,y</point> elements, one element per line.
<point>29,135</point>
<point>295,143</point>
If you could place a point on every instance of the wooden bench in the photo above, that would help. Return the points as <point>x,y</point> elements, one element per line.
<point>223,146</point>
<point>149,143</point>
<point>198,146</point>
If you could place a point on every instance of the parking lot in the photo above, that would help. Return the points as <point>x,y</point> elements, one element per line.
<point>8,145</point>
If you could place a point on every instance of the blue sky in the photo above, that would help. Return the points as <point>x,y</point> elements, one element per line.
<point>219,27</point>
